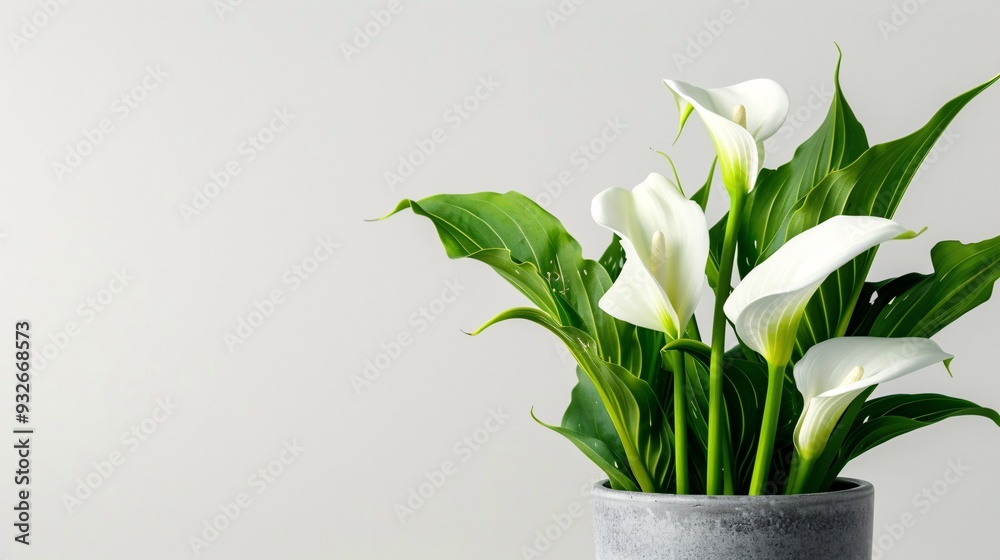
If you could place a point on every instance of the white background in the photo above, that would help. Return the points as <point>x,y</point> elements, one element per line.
<point>66,234</point>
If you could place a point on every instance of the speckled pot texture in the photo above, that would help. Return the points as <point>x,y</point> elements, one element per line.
<point>834,525</point>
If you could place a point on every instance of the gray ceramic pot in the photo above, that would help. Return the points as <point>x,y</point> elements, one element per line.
<point>835,525</point>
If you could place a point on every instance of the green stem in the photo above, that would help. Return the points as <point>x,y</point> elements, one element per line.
<point>727,462</point>
<point>715,373</point>
<point>797,485</point>
<point>792,474</point>
<point>680,421</point>
<point>768,428</point>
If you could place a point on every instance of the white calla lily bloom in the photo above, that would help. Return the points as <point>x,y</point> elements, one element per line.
<point>767,305</point>
<point>739,118</point>
<point>832,373</point>
<point>665,239</point>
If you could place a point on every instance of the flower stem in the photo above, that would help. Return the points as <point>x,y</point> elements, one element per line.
<point>716,404</point>
<point>680,421</point>
<point>727,464</point>
<point>793,473</point>
<point>798,484</point>
<point>768,429</point>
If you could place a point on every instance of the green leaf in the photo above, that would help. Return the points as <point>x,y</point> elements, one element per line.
<point>587,416</point>
<point>530,249</point>
<point>838,141</point>
<point>696,385</point>
<point>885,418</point>
<point>745,390</point>
<point>613,258</point>
<point>634,410</point>
<point>875,296</point>
<point>871,186</point>
<point>716,239</point>
<point>867,425</point>
<point>963,279</point>
<point>701,197</point>
<point>598,452</point>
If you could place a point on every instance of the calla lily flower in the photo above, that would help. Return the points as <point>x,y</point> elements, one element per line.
<point>832,373</point>
<point>766,306</point>
<point>739,118</point>
<point>665,239</point>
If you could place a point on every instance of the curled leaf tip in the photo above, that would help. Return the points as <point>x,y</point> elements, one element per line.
<point>479,330</point>
<point>910,234</point>
<point>403,205</point>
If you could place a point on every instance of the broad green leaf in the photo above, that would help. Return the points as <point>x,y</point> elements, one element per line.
<point>587,416</point>
<point>638,418</point>
<point>838,141</point>
<point>530,248</point>
<point>885,418</point>
<point>746,393</point>
<point>875,296</point>
<point>745,390</point>
<point>613,258</point>
<point>871,186</point>
<point>696,383</point>
<point>867,425</point>
<point>598,452</point>
<point>963,279</point>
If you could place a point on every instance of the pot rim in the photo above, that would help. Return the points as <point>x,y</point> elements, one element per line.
<point>856,489</point>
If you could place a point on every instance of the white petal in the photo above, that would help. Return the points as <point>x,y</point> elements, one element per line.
<point>822,373</point>
<point>740,150</point>
<point>637,298</point>
<point>818,419</point>
<point>767,305</point>
<point>823,367</point>
<point>656,205</point>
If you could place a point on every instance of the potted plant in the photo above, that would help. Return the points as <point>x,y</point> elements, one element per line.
<point>716,452</point>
